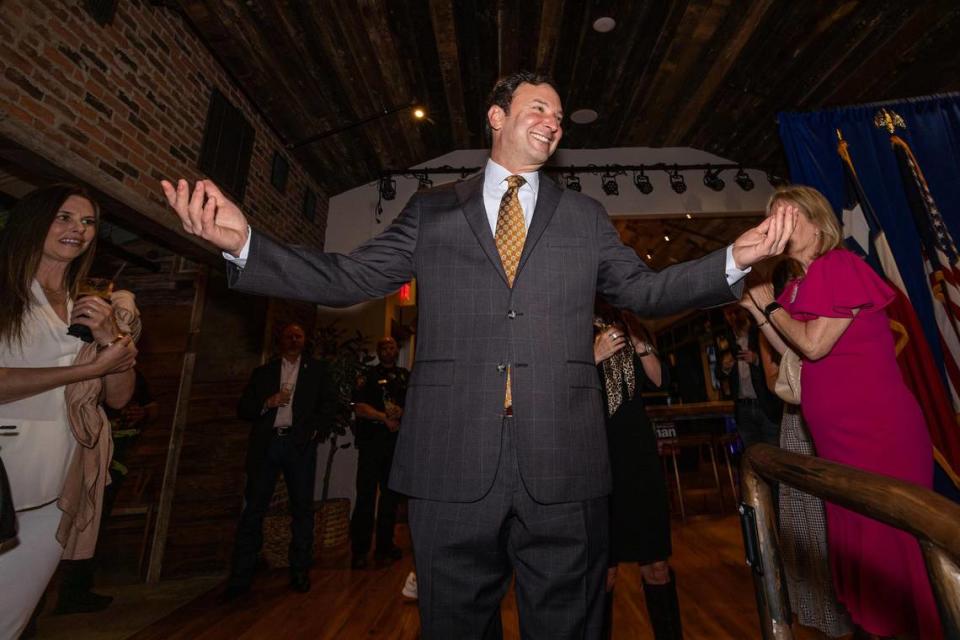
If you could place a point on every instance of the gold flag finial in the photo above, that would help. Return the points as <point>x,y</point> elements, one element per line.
<point>889,120</point>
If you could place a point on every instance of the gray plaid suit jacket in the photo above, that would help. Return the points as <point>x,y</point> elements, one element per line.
<point>471,325</point>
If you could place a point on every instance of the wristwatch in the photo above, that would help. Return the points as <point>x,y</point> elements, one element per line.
<point>770,308</point>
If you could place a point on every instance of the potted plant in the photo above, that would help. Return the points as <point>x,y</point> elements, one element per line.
<point>347,357</point>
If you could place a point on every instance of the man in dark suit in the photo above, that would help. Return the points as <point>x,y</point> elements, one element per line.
<point>286,400</point>
<point>502,449</point>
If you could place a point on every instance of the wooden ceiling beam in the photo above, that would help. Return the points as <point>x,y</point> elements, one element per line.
<point>448,50</point>
<point>709,83</point>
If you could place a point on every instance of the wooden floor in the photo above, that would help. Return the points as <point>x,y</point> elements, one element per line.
<point>716,599</point>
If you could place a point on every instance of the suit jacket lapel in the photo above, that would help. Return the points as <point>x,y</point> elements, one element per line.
<point>548,196</point>
<point>470,194</point>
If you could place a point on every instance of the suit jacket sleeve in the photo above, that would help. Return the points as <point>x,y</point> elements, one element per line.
<point>253,398</point>
<point>625,281</point>
<point>375,269</point>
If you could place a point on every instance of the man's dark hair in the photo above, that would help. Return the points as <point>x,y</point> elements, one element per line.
<point>502,93</point>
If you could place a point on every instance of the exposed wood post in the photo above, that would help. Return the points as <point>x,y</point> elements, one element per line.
<point>767,567</point>
<point>177,431</point>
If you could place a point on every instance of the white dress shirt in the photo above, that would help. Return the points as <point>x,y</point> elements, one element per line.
<point>289,372</point>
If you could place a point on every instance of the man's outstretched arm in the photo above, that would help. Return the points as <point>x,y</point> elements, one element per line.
<point>259,265</point>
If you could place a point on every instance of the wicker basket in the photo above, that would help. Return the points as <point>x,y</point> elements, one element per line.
<point>331,530</point>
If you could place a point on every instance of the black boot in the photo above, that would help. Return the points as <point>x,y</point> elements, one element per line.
<point>75,584</point>
<point>663,607</point>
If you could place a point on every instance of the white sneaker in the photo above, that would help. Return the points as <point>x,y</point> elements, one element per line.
<point>410,586</point>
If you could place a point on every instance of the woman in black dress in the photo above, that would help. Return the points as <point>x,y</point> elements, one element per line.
<point>639,511</point>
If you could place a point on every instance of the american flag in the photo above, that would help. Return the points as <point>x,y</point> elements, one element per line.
<point>940,257</point>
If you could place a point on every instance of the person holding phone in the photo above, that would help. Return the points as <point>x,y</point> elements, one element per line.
<point>46,250</point>
<point>757,409</point>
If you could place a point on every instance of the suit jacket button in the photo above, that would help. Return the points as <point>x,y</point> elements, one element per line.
<point>512,314</point>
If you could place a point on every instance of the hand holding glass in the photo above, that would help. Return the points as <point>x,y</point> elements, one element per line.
<point>100,287</point>
<point>286,392</point>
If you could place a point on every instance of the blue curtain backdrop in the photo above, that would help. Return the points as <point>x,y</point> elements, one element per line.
<point>932,131</point>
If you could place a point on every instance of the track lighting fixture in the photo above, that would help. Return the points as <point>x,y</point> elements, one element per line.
<point>424,181</point>
<point>744,180</point>
<point>643,183</point>
<point>573,182</point>
<point>610,186</point>
<point>388,188</point>
<point>712,179</point>
<point>677,183</point>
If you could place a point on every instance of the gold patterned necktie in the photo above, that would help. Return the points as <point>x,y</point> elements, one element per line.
<point>509,236</point>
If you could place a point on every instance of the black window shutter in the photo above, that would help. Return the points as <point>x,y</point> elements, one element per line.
<point>227,146</point>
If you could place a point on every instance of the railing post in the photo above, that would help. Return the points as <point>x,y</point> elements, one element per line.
<point>768,573</point>
<point>945,580</point>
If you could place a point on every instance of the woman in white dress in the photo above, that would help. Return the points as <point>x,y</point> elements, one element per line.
<point>46,249</point>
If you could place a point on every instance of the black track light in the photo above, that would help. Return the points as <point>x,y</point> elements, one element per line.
<point>610,186</point>
<point>643,183</point>
<point>775,180</point>
<point>712,179</point>
<point>573,182</point>
<point>424,181</point>
<point>388,188</point>
<point>677,183</point>
<point>744,180</point>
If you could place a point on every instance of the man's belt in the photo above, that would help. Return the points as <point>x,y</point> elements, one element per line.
<point>282,431</point>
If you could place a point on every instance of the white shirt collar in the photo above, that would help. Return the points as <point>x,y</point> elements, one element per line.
<point>495,175</point>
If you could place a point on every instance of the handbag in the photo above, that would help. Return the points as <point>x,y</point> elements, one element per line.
<point>8,517</point>
<point>788,379</point>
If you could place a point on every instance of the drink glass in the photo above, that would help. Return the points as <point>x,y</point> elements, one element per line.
<point>286,392</point>
<point>100,287</point>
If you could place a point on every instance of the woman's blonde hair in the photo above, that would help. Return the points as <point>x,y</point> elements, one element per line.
<point>816,208</point>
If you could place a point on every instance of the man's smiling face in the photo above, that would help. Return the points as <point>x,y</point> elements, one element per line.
<point>525,137</point>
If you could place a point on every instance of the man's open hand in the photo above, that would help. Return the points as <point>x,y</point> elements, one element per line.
<point>204,211</point>
<point>769,238</point>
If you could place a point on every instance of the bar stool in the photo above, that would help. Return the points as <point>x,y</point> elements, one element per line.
<point>672,447</point>
<point>725,443</point>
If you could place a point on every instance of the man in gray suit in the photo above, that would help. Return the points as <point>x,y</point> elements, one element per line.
<point>503,450</point>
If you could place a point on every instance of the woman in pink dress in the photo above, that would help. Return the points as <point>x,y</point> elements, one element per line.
<point>859,411</point>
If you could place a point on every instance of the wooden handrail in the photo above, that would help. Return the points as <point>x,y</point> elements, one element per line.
<point>925,514</point>
<point>931,518</point>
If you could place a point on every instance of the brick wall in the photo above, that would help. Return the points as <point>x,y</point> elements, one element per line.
<point>121,106</point>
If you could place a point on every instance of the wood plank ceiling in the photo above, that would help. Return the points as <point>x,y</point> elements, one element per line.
<point>710,74</point>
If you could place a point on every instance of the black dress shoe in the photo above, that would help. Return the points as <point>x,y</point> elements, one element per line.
<point>81,602</point>
<point>300,581</point>
<point>358,562</point>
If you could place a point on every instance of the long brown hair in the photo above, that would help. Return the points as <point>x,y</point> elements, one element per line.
<point>21,246</point>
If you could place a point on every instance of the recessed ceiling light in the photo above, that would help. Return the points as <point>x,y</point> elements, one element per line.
<point>583,116</point>
<point>649,257</point>
<point>689,217</point>
<point>605,24</point>
<point>666,237</point>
